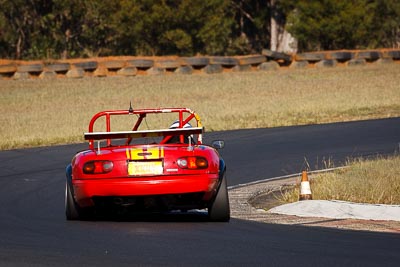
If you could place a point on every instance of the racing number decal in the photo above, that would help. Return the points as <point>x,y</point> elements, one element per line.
<point>145,153</point>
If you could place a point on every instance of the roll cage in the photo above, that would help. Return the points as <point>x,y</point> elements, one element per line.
<point>184,116</point>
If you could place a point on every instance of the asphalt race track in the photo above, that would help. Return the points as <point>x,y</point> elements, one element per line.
<point>34,232</point>
<point>263,153</point>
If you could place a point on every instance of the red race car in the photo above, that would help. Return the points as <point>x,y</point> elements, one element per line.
<point>163,169</point>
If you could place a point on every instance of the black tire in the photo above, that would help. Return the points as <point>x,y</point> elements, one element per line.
<point>326,63</point>
<point>167,64</point>
<point>213,68</point>
<point>311,57</point>
<point>71,208</point>
<point>75,73</point>
<point>184,70</point>
<point>384,61</point>
<point>395,54</point>
<point>8,68</point>
<point>48,75</point>
<point>141,63</point>
<point>299,64</point>
<point>72,211</point>
<point>156,71</point>
<point>270,65</point>
<point>114,64</point>
<point>356,62</point>
<point>224,61</point>
<point>342,56</point>
<point>195,61</point>
<point>273,55</point>
<point>241,68</point>
<point>127,71</point>
<point>252,60</point>
<point>21,76</point>
<point>86,65</point>
<point>58,67</point>
<point>219,210</point>
<point>30,68</point>
<point>369,55</point>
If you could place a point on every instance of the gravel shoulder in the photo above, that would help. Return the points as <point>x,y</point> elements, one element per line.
<point>251,202</point>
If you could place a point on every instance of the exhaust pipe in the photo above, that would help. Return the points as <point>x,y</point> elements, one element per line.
<point>118,201</point>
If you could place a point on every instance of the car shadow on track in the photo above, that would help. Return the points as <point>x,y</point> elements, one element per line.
<point>190,216</point>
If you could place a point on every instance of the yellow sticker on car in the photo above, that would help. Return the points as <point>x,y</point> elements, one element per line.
<point>145,153</point>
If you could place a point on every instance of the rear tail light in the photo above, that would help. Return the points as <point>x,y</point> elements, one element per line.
<point>98,167</point>
<point>192,163</point>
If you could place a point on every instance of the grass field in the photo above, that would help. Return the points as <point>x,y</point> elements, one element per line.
<point>364,181</point>
<point>45,112</point>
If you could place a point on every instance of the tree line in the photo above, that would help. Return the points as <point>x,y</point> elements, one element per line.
<point>54,29</point>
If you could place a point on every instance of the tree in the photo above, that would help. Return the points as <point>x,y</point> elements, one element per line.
<point>182,27</point>
<point>215,27</point>
<point>19,19</point>
<point>332,24</point>
<point>81,28</point>
<point>281,40</point>
<point>251,30</point>
<point>54,28</point>
<point>385,26</point>
<point>33,29</point>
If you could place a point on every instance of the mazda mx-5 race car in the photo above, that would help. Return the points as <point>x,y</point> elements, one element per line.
<point>147,170</point>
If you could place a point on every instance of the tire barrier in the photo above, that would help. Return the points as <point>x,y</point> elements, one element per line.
<point>31,68</point>
<point>75,73</point>
<point>356,62</point>
<point>59,67</point>
<point>86,65</point>
<point>128,66</point>
<point>127,71</point>
<point>301,64</point>
<point>270,65</point>
<point>213,68</point>
<point>386,60</point>
<point>140,63</point>
<point>342,56</point>
<point>48,74</point>
<point>227,62</point>
<point>240,68</point>
<point>310,57</point>
<point>8,68</point>
<point>282,58</point>
<point>184,70</point>
<point>156,71</point>
<point>195,62</point>
<point>326,63</point>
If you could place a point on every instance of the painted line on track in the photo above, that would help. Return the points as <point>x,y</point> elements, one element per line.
<point>284,177</point>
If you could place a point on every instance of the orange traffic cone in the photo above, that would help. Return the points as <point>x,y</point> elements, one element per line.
<point>305,189</point>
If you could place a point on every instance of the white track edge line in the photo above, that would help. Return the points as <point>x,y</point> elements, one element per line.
<point>284,177</point>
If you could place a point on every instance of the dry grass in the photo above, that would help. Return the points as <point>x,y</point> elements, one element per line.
<point>365,181</point>
<point>44,112</point>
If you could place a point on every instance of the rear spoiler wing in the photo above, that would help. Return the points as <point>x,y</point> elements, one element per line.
<point>142,134</point>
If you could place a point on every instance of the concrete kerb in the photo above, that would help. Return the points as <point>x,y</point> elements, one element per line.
<point>241,195</point>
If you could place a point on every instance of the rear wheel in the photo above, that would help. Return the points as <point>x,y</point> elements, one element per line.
<point>71,208</point>
<point>219,210</point>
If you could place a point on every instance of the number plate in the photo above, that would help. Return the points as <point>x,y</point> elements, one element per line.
<point>145,167</point>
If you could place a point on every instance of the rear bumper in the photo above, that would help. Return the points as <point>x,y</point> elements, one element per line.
<point>86,189</point>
